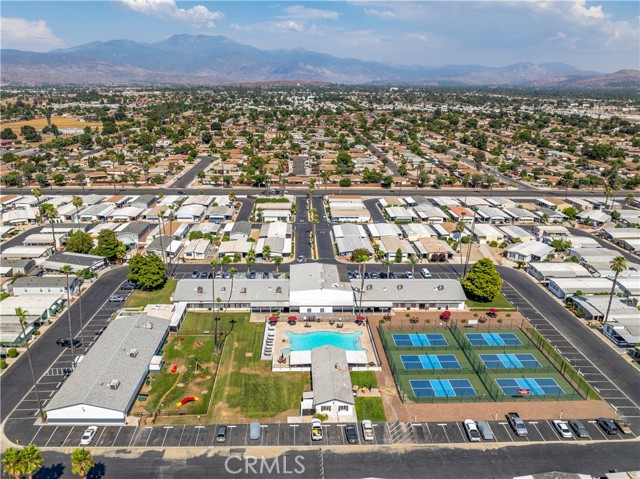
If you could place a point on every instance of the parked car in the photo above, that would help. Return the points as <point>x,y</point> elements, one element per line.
<point>227,275</point>
<point>517,424</point>
<point>367,275</point>
<point>221,434</point>
<point>409,275</point>
<point>301,259</point>
<point>472,430</point>
<point>392,275</point>
<point>195,274</point>
<point>128,285</point>
<point>607,425</point>
<point>485,430</point>
<point>316,430</point>
<point>66,342</point>
<point>88,435</point>
<point>356,275</point>
<point>350,274</point>
<point>562,428</point>
<point>203,275</point>
<point>210,275</point>
<point>578,428</point>
<point>426,274</point>
<point>351,434</point>
<point>255,431</point>
<point>367,430</point>
<point>383,275</point>
<point>374,275</point>
<point>251,275</point>
<point>218,274</point>
<point>116,298</point>
<point>622,426</point>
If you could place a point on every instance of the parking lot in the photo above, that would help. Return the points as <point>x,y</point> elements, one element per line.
<point>284,434</point>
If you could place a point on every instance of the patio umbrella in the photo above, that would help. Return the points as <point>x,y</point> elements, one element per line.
<point>273,319</point>
<point>445,314</point>
<point>292,319</point>
<point>493,310</point>
<point>359,318</point>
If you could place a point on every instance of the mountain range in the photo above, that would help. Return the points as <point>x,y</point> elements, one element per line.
<point>217,60</point>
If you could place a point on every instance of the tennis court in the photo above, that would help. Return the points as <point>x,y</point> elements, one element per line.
<point>493,339</point>
<point>430,361</point>
<point>413,340</point>
<point>516,361</point>
<point>536,386</point>
<point>442,388</point>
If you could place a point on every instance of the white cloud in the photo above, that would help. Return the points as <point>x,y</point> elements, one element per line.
<point>197,15</point>
<point>28,34</point>
<point>289,25</point>
<point>374,12</point>
<point>303,13</point>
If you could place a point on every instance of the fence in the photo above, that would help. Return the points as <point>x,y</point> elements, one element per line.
<point>564,368</point>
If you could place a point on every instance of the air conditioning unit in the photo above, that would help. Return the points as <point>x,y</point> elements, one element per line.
<point>114,384</point>
<point>148,325</point>
<point>133,353</point>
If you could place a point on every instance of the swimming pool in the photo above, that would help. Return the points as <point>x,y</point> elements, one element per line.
<point>308,341</point>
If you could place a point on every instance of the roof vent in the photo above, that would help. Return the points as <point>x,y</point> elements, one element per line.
<point>400,287</point>
<point>369,287</point>
<point>148,325</point>
<point>199,290</point>
<point>133,353</point>
<point>224,288</point>
<point>441,287</point>
<point>114,384</point>
<point>243,290</point>
<point>278,290</point>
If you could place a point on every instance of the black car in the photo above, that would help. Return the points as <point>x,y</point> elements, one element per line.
<point>367,275</point>
<point>351,434</point>
<point>129,285</point>
<point>392,275</point>
<point>203,275</point>
<point>251,275</point>
<point>383,275</point>
<point>607,425</point>
<point>66,342</point>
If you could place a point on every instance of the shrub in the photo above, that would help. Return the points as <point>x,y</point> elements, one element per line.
<point>322,417</point>
<point>12,353</point>
<point>3,364</point>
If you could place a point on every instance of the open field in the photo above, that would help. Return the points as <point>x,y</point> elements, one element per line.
<point>246,388</point>
<point>141,298</point>
<point>60,122</point>
<point>362,378</point>
<point>198,322</point>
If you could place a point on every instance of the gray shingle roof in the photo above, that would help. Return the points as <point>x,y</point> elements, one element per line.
<point>109,359</point>
<point>330,375</point>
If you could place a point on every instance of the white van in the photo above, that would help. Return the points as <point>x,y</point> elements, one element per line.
<point>254,431</point>
<point>426,274</point>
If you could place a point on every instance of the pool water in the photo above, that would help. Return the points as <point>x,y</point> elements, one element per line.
<point>308,341</point>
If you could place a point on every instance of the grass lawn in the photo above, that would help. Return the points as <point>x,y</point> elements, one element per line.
<point>196,364</point>
<point>500,302</point>
<point>161,296</point>
<point>370,408</point>
<point>203,321</point>
<point>361,378</point>
<point>246,387</point>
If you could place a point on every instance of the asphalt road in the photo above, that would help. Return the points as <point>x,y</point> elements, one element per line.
<point>302,228</point>
<point>444,463</point>
<point>186,179</point>
<point>16,381</point>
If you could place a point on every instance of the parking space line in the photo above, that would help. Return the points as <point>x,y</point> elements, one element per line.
<point>51,437</point>
<point>116,438</point>
<point>429,431</point>
<point>294,432</point>
<point>198,428</point>
<point>504,425</point>
<point>180,440</point>
<point>535,424</point>
<point>445,431</point>
<point>150,432</point>
<point>101,433</point>
<point>166,431</point>
<point>34,436</point>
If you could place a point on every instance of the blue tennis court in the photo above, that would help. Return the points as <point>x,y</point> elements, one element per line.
<point>419,340</point>
<point>536,386</point>
<point>493,339</point>
<point>430,361</point>
<point>442,387</point>
<point>517,361</point>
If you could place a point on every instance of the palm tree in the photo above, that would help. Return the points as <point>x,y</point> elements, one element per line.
<point>81,462</point>
<point>278,261</point>
<point>413,259</point>
<point>171,218</point>
<point>214,264</point>
<point>31,460</point>
<point>618,265</point>
<point>37,192</point>
<point>12,462</point>
<point>232,272</point>
<point>47,210</point>
<point>387,263</point>
<point>164,259</point>
<point>66,270</point>
<point>460,230</point>
<point>22,317</point>
<point>77,202</point>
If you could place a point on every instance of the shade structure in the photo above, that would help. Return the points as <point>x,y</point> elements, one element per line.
<point>493,310</point>
<point>293,319</point>
<point>359,318</point>
<point>273,319</point>
<point>445,314</point>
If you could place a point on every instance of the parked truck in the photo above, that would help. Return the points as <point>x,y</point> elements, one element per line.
<point>316,430</point>
<point>517,424</point>
<point>367,430</point>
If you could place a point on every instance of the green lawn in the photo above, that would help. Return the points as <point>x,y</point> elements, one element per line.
<point>246,387</point>
<point>370,408</point>
<point>142,298</point>
<point>203,321</point>
<point>500,302</point>
<point>364,378</point>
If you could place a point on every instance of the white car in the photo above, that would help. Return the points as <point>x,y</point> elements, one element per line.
<point>472,430</point>
<point>562,428</point>
<point>88,435</point>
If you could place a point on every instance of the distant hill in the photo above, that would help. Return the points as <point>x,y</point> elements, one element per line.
<point>204,59</point>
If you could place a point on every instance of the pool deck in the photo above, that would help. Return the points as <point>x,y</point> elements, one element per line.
<point>281,341</point>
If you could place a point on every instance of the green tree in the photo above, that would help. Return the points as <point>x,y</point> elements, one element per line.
<point>109,246</point>
<point>278,261</point>
<point>22,318</point>
<point>561,244</point>
<point>8,134</point>
<point>48,211</point>
<point>266,251</point>
<point>360,255</point>
<point>618,265</point>
<point>31,460</point>
<point>12,462</point>
<point>483,282</point>
<point>345,182</point>
<point>147,272</point>
<point>413,260</point>
<point>81,462</point>
<point>79,242</point>
<point>398,258</point>
<point>570,212</point>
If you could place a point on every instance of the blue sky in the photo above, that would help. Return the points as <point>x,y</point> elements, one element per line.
<point>602,35</point>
